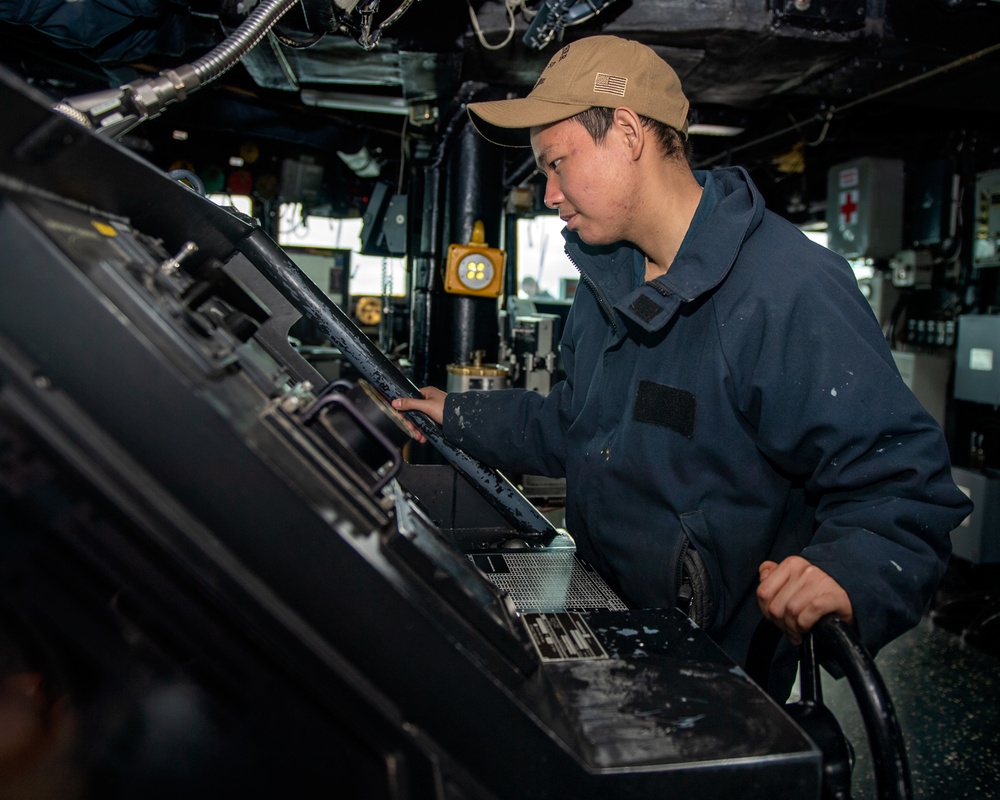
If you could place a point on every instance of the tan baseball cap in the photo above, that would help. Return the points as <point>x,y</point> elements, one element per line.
<point>603,71</point>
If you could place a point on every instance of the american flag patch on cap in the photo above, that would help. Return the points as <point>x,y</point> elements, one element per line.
<point>610,84</point>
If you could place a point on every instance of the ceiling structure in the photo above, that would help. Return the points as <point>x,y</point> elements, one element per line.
<point>806,83</point>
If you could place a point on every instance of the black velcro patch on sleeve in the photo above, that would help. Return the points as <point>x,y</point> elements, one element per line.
<point>644,308</point>
<point>665,406</point>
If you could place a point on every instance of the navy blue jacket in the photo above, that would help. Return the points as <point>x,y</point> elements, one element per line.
<point>744,404</point>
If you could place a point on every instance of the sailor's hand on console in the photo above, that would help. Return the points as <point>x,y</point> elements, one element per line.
<point>432,403</point>
<point>796,594</point>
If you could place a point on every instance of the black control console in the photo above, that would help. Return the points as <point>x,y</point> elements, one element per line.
<point>222,578</point>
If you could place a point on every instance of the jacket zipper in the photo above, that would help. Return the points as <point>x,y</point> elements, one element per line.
<point>684,603</point>
<point>602,303</point>
<point>656,286</point>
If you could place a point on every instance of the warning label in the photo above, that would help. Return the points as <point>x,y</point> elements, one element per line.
<point>563,636</point>
<point>849,177</point>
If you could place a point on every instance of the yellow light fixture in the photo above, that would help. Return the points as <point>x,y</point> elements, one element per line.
<point>475,268</point>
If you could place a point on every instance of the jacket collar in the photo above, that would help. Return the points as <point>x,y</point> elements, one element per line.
<point>703,262</point>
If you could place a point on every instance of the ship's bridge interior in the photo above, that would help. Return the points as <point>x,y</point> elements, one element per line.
<point>234,230</point>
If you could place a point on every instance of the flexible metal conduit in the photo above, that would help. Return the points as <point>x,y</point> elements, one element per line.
<point>247,36</point>
<point>114,112</point>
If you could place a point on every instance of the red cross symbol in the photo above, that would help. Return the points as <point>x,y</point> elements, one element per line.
<point>848,208</point>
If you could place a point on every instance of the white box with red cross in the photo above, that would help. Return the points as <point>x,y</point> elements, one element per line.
<point>864,208</point>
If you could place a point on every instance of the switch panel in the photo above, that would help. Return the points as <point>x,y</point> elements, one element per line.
<point>986,238</point>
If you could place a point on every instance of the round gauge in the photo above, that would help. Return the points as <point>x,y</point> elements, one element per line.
<point>368,311</point>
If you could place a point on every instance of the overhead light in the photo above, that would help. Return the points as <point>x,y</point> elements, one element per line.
<point>708,129</point>
<point>713,119</point>
<point>350,101</point>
